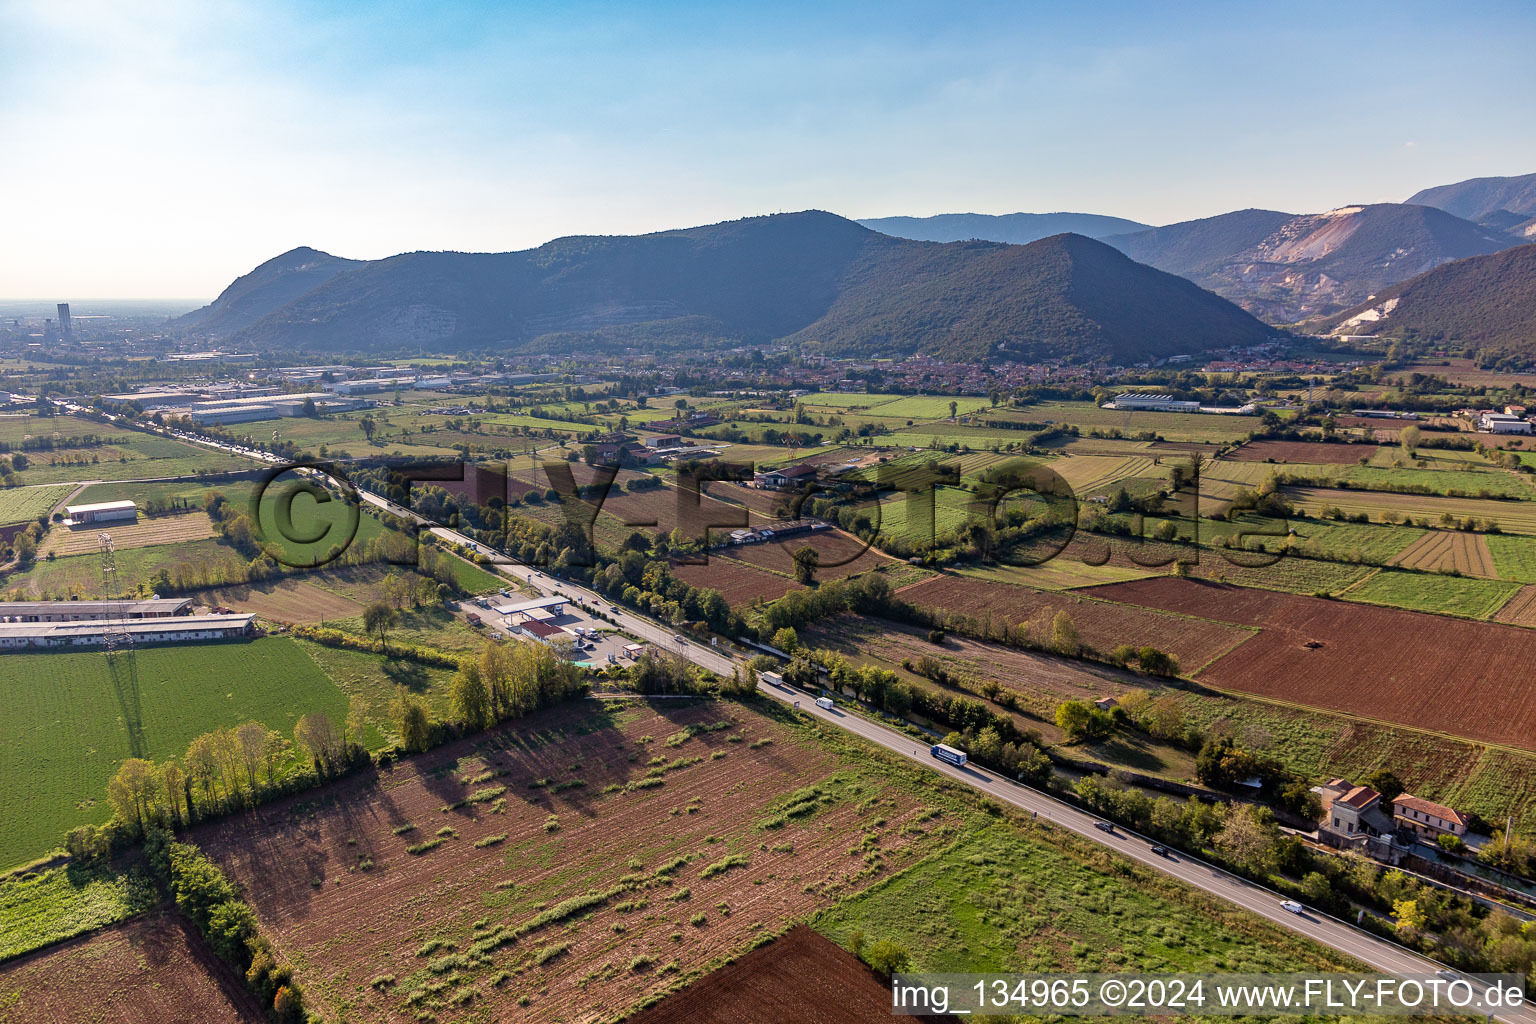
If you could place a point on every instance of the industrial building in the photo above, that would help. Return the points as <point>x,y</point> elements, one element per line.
<point>101,512</point>
<point>92,633</point>
<point>239,410</point>
<point>1151,402</point>
<point>1503,423</point>
<point>87,611</point>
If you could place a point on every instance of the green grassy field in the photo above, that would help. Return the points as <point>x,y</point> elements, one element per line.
<point>20,504</point>
<point>1024,896</point>
<point>123,454</point>
<point>1513,557</point>
<point>71,719</point>
<point>40,908</point>
<point>1432,592</point>
<point>1476,482</point>
<point>80,575</point>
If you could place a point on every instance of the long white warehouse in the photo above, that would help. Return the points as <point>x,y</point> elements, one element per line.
<point>92,633</point>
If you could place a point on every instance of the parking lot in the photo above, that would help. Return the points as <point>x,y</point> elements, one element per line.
<point>593,640</point>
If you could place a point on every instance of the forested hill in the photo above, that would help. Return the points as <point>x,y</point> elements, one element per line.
<point>812,277</point>
<point>1487,302</point>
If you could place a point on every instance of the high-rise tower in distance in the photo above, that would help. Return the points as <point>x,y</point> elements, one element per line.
<point>65,330</point>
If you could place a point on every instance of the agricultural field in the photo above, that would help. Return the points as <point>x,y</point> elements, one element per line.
<point>1430,672</point>
<point>842,554</point>
<point>21,504</point>
<point>118,454</point>
<point>190,492</point>
<point>154,968</point>
<point>1014,895</point>
<point>1292,574</point>
<point>1511,516</point>
<point>297,601</point>
<point>1514,558</point>
<point>1090,475</point>
<point>1520,610</point>
<point>1483,483</point>
<point>577,863</point>
<point>177,529</point>
<point>1103,624</point>
<point>1172,426</point>
<point>1448,551</point>
<point>1041,680</point>
<point>799,976</point>
<point>1306,452</point>
<point>195,563</point>
<point>42,906</point>
<point>740,583</point>
<point>1466,596</point>
<point>72,717</point>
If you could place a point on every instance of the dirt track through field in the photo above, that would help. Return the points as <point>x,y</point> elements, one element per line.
<point>1437,550</point>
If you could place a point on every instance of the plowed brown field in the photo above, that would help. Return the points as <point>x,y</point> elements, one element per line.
<point>1102,624</point>
<point>672,874</point>
<point>153,970</point>
<point>799,977</point>
<point>739,583</point>
<point>1467,553</point>
<point>1520,609</point>
<point>1316,453</point>
<point>1454,676</point>
<point>842,554</point>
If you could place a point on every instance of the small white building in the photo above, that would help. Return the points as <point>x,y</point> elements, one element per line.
<point>102,512</point>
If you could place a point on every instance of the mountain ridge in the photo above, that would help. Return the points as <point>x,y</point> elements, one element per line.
<point>1476,198</point>
<point>810,278</point>
<point>1013,228</point>
<point>1486,301</point>
<point>1290,268</point>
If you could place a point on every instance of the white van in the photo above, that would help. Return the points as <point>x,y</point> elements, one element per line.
<point>825,703</point>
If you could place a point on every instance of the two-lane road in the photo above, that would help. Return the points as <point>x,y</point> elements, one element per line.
<point>1378,953</point>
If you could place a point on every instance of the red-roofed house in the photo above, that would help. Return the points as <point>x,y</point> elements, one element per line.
<point>1428,818</point>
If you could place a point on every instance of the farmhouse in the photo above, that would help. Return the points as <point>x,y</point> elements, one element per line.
<point>1427,818</point>
<point>1354,819</point>
<point>790,476</point>
<point>1153,402</point>
<point>89,611</point>
<point>92,633</point>
<point>101,512</point>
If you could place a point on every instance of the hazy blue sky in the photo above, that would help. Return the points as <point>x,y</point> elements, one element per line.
<point>162,151</point>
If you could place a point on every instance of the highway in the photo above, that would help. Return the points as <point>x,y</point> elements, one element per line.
<point>1379,954</point>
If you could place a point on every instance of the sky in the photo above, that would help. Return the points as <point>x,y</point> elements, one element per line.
<point>160,148</point>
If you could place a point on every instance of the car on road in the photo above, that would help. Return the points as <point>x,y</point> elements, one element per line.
<point>1161,851</point>
<point>1103,826</point>
<point>678,638</point>
<point>1293,906</point>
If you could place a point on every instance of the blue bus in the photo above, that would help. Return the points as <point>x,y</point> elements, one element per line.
<point>947,754</point>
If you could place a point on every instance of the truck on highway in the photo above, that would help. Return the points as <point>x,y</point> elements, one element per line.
<point>949,755</point>
<point>825,703</point>
<point>773,679</point>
